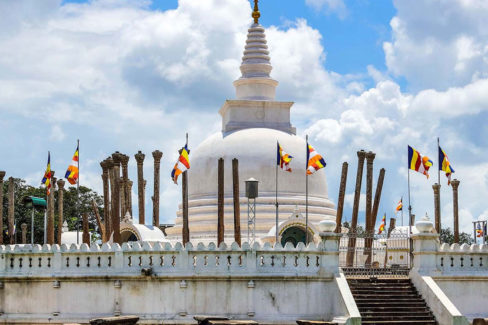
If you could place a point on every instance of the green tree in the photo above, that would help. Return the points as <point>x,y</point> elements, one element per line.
<point>447,236</point>
<point>70,207</point>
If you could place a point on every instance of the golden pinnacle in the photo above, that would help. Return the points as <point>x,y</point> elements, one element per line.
<point>256,14</point>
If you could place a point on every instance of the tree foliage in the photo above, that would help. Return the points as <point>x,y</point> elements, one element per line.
<point>447,236</point>
<point>70,208</point>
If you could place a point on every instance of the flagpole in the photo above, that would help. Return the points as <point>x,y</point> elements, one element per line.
<point>276,196</point>
<point>409,206</point>
<point>438,169</point>
<point>306,193</point>
<point>78,197</point>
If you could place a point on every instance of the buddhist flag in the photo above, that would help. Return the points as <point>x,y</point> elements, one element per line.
<point>445,165</point>
<point>383,224</point>
<point>72,172</point>
<point>46,180</point>
<point>399,206</point>
<point>182,165</point>
<point>479,231</point>
<point>283,159</point>
<point>314,160</point>
<point>417,162</point>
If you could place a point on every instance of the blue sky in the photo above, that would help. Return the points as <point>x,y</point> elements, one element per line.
<point>374,75</point>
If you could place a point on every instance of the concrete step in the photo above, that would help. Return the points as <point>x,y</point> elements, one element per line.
<point>400,322</point>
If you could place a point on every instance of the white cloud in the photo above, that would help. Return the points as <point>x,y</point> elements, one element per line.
<point>438,44</point>
<point>57,133</point>
<point>329,6</point>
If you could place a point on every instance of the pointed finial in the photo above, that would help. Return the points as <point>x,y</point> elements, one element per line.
<point>256,14</point>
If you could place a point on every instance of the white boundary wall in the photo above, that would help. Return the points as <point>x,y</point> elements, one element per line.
<point>452,279</point>
<point>77,283</point>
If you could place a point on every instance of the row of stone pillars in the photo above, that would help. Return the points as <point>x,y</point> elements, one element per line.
<point>117,192</point>
<point>437,208</point>
<point>50,233</point>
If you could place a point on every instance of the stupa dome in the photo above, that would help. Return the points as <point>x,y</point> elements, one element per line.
<point>252,125</point>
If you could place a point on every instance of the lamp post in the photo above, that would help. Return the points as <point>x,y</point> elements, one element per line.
<point>251,194</point>
<point>32,202</point>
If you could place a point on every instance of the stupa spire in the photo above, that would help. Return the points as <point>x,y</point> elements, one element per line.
<point>255,82</point>
<point>256,14</point>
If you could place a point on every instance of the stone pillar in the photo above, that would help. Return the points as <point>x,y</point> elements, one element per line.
<point>106,198</point>
<point>392,226</point>
<point>110,227</point>
<point>2,175</point>
<point>125,177</point>
<point>220,202</point>
<point>60,209</point>
<point>340,200</point>
<point>437,207</point>
<point>330,240</point>
<point>157,155</point>
<point>237,205</point>
<point>351,246</point>
<point>455,185</point>
<point>184,205</point>
<point>23,226</point>
<point>86,229</point>
<point>377,197</point>
<point>369,189</point>
<point>11,210</point>
<point>129,189</point>
<point>123,206</point>
<point>140,185</point>
<point>116,196</point>
<point>50,216</point>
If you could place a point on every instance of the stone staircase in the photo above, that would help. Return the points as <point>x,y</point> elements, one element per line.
<point>389,301</point>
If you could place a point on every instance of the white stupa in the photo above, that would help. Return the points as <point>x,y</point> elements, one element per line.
<point>251,126</point>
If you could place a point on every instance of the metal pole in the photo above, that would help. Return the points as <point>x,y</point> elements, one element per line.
<point>78,198</point>
<point>409,206</point>
<point>45,223</point>
<point>440,163</point>
<point>402,210</point>
<point>306,193</point>
<point>32,227</point>
<point>248,220</point>
<point>276,204</point>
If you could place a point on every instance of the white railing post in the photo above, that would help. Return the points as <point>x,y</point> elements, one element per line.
<point>330,245</point>
<point>425,247</point>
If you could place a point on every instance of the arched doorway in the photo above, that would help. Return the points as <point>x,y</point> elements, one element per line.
<point>127,235</point>
<point>293,235</point>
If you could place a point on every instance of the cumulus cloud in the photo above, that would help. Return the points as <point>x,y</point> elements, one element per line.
<point>329,6</point>
<point>439,44</point>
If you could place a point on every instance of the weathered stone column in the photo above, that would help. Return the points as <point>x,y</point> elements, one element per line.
<point>369,189</point>
<point>351,246</point>
<point>23,226</point>
<point>140,185</point>
<point>60,209</point>
<point>455,185</point>
<point>50,216</point>
<point>109,222</point>
<point>237,205</point>
<point>11,210</point>
<point>437,207</point>
<point>123,206</point>
<point>129,187</point>
<point>340,200</point>
<point>377,197</point>
<point>125,176</point>
<point>2,175</point>
<point>184,206</point>
<point>220,202</point>
<point>157,155</point>
<point>116,196</point>
<point>106,198</point>
<point>86,229</point>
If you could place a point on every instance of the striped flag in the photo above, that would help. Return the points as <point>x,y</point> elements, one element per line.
<point>283,159</point>
<point>46,180</point>
<point>314,160</point>
<point>383,224</point>
<point>73,171</point>
<point>418,163</point>
<point>399,206</point>
<point>445,165</point>
<point>182,165</point>
<point>479,231</point>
